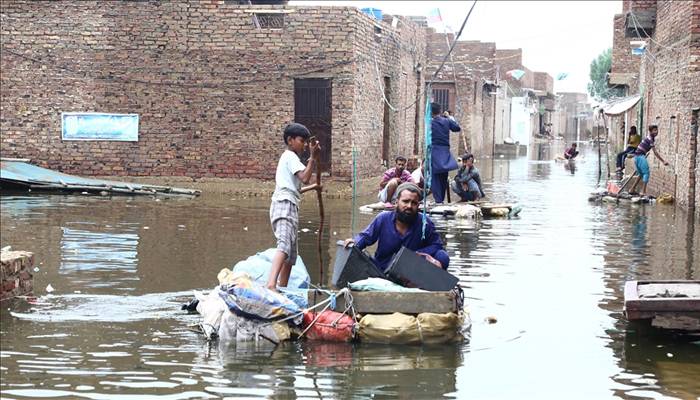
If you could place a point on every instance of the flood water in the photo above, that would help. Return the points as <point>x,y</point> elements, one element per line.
<point>553,278</point>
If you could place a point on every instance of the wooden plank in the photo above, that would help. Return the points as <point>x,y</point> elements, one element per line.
<point>636,306</point>
<point>391,302</point>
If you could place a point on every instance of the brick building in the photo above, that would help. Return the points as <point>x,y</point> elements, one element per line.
<point>465,85</point>
<point>213,83</point>
<point>668,79</point>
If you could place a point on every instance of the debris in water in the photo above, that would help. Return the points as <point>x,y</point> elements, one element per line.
<point>669,355</point>
<point>305,229</point>
<point>49,288</point>
<point>36,269</point>
<point>491,319</point>
<point>245,228</point>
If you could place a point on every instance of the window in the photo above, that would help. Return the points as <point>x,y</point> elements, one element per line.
<point>442,97</point>
<point>268,20</point>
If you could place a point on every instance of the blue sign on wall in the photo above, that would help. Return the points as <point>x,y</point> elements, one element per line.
<point>100,126</point>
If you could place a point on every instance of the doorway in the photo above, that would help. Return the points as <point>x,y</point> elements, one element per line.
<point>313,108</point>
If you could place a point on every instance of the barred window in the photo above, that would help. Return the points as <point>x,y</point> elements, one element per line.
<point>442,97</point>
<point>268,20</point>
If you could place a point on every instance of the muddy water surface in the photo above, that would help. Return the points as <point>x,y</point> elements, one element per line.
<point>552,278</point>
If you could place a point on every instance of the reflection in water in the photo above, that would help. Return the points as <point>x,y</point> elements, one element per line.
<point>552,278</point>
<point>101,259</point>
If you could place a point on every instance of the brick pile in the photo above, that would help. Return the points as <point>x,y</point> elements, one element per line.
<point>15,273</point>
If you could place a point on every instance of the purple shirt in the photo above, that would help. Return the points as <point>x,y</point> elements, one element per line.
<point>645,145</point>
<point>391,174</point>
<point>383,228</point>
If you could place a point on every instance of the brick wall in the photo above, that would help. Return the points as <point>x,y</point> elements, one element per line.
<point>623,61</point>
<point>15,273</point>
<point>544,82</point>
<point>510,59</point>
<point>671,85</point>
<point>398,53</point>
<point>638,5</point>
<point>212,91</point>
<point>473,64</point>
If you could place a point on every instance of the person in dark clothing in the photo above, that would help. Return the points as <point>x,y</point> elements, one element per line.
<point>442,160</point>
<point>571,152</point>
<point>467,182</point>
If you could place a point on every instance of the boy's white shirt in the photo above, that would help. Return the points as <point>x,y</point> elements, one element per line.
<point>287,184</point>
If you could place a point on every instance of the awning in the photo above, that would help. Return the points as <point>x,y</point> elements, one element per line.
<point>621,106</point>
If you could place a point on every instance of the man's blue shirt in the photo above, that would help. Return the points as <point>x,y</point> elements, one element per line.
<point>440,130</point>
<point>442,160</point>
<point>383,228</point>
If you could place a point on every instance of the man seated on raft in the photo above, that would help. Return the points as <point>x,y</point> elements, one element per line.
<point>391,179</point>
<point>402,227</point>
<point>467,182</point>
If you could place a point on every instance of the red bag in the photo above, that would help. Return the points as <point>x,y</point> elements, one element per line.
<point>330,326</point>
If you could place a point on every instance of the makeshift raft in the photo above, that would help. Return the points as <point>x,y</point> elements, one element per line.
<point>473,209</point>
<point>668,304</point>
<point>242,309</point>
<point>18,173</point>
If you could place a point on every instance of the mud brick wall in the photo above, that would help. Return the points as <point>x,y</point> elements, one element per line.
<point>15,273</point>
<point>638,5</point>
<point>212,91</point>
<point>393,55</point>
<point>474,105</point>
<point>670,78</point>
<point>544,82</point>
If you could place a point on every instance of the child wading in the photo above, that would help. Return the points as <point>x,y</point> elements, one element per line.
<point>284,210</point>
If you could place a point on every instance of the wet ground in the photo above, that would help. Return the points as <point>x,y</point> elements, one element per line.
<point>553,278</point>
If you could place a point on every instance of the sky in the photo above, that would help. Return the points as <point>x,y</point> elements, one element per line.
<point>556,36</point>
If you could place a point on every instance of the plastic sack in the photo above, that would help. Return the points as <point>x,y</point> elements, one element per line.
<point>467,211</point>
<point>258,268</point>
<point>211,307</point>
<point>400,328</point>
<point>380,285</point>
<point>330,326</point>
<point>237,329</point>
<point>247,299</point>
<point>497,212</point>
<point>665,199</point>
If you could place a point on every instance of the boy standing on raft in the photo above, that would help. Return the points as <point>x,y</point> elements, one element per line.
<point>284,209</point>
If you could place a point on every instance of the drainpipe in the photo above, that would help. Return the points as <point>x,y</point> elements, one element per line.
<point>693,159</point>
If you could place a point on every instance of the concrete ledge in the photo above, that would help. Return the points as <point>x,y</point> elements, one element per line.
<point>243,188</point>
<point>15,273</point>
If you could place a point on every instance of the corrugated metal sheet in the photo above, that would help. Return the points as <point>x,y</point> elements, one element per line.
<point>32,176</point>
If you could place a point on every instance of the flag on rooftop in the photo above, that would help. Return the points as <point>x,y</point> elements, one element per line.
<point>434,15</point>
<point>515,74</point>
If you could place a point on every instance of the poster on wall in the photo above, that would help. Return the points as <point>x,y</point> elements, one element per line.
<point>99,126</point>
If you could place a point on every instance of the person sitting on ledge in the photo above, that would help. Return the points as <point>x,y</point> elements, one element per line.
<point>467,182</point>
<point>402,227</point>
<point>391,179</point>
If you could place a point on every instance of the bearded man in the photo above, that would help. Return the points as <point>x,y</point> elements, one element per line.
<point>402,227</point>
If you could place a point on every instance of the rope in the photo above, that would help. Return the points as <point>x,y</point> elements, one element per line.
<point>342,291</point>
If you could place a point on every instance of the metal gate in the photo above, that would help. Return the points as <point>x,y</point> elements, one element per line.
<point>312,107</point>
